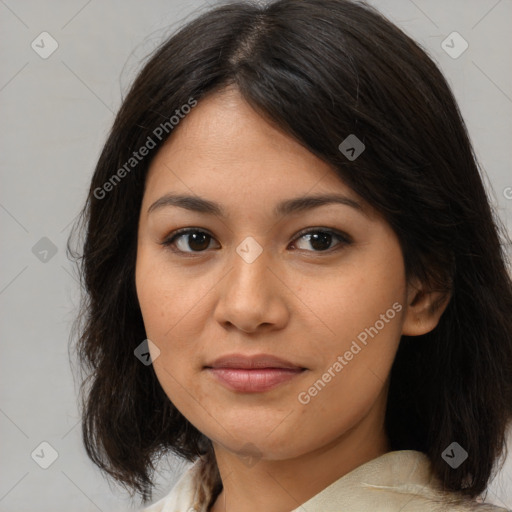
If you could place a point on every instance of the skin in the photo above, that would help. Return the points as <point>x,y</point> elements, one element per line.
<point>293,301</point>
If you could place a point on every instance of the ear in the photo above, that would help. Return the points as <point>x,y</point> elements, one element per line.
<point>424,308</point>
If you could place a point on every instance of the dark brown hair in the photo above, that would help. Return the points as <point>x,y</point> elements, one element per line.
<point>320,70</point>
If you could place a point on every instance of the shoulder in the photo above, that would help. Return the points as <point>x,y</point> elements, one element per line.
<point>405,480</point>
<point>399,480</point>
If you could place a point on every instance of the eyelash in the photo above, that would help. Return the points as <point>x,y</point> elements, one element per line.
<point>341,237</point>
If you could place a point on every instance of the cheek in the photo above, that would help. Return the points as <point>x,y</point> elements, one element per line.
<point>172,306</point>
<point>162,306</point>
<point>355,302</point>
<point>168,299</point>
<point>361,312</point>
<point>163,313</point>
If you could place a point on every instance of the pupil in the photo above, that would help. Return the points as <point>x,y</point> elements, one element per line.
<point>198,241</point>
<point>317,239</point>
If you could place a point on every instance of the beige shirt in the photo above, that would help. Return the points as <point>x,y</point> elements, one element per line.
<point>396,481</point>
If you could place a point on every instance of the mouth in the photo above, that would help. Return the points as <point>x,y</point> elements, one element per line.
<point>253,374</point>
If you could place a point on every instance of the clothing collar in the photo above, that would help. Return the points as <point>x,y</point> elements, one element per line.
<point>398,480</point>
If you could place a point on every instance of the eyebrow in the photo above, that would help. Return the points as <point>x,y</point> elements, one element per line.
<point>288,207</point>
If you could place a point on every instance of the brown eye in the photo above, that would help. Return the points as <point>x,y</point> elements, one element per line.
<point>321,240</point>
<point>189,240</point>
<point>192,241</point>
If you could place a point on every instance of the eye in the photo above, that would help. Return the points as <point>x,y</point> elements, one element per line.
<point>321,239</point>
<point>188,240</point>
<point>193,240</point>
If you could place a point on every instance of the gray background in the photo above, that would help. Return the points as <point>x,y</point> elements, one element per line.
<point>56,113</point>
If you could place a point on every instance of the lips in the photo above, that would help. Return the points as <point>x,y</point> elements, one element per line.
<point>241,361</point>
<point>252,374</point>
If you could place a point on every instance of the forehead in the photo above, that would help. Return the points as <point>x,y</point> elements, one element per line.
<point>223,131</point>
<point>224,150</point>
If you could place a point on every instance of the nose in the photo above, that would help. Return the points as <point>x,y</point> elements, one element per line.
<point>251,297</point>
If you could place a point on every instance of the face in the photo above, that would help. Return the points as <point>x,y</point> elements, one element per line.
<point>319,285</point>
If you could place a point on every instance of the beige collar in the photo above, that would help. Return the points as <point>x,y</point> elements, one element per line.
<point>396,481</point>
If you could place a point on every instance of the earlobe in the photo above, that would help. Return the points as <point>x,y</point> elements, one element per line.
<point>424,309</point>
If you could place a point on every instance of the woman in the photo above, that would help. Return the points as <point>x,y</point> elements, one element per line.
<point>294,277</point>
